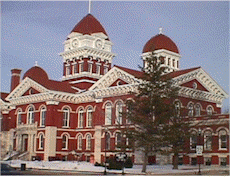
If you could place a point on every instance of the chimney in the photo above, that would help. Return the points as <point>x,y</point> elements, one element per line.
<point>15,78</point>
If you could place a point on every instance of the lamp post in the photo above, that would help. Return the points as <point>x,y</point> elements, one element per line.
<point>105,168</point>
<point>199,150</point>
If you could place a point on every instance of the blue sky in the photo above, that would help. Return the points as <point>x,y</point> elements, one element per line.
<point>35,31</point>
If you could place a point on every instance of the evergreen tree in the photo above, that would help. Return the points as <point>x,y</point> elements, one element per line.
<point>151,108</point>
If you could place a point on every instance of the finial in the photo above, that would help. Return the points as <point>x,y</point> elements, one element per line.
<point>160,30</point>
<point>36,63</point>
<point>89,9</point>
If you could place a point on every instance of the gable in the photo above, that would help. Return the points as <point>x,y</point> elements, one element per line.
<point>194,83</point>
<point>112,76</point>
<point>204,82</point>
<point>31,91</point>
<point>24,87</point>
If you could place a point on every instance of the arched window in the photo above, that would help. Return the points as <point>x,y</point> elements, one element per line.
<point>19,116</point>
<point>88,142</point>
<point>64,142</point>
<point>108,108</point>
<point>197,110</point>
<point>190,110</point>
<point>118,140</point>
<point>42,117</point>
<point>66,117</point>
<point>31,115</point>
<point>80,142</point>
<point>208,140</point>
<point>118,113</point>
<point>89,117</point>
<point>80,120</point>
<point>193,140</point>
<point>209,110</point>
<point>129,111</point>
<point>222,139</point>
<point>41,141</point>
<point>107,136</point>
<point>177,108</point>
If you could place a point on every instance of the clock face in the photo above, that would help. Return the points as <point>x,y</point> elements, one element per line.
<point>75,43</point>
<point>99,44</point>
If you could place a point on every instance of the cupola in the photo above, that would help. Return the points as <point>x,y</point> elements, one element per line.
<point>87,52</point>
<point>162,45</point>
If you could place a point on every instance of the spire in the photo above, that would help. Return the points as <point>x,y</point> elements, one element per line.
<point>89,8</point>
<point>36,63</point>
<point>160,30</point>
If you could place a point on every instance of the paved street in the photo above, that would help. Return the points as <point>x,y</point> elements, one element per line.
<point>76,173</point>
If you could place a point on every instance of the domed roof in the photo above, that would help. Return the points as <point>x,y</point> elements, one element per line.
<point>37,74</point>
<point>89,25</point>
<point>160,41</point>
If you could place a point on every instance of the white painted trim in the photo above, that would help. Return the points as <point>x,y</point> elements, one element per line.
<point>83,80</point>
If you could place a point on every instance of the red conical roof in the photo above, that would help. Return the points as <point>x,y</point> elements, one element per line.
<point>89,25</point>
<point>160,41</point>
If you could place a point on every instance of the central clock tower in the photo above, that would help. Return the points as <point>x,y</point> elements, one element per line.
<point>87,54</point>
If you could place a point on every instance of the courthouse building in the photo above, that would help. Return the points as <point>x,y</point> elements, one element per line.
<point>47,119</point>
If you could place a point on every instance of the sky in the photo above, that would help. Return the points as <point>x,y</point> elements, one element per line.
<point>35,31</point>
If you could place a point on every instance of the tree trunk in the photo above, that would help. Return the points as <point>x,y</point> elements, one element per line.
<point>175,161</point>
<point>145,162</point>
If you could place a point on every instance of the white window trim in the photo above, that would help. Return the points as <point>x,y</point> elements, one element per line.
<point>205,135</point>
<point>191,143</point>
<point>41,117</point>
<point>119,109</point>
<point>80,142</point>
<point>19,114</point>
<point>88,142</point>
<point>66,144</point>
<point>89,110</point>
<point>30,115</point>
<point>107,121</point>
<point>68,118</point>
<point>80,118</point>
<point>41,141</point>
<point>219,137</point>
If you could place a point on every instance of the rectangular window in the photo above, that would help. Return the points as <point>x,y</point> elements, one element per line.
<point>193,142</point>
<point>19,118</point>
<point>208,142</point>
<point>223,141</point>
<point>98,69</point>
<point>81,67</point>
<point>169,62</point>
<point>80,123</point>
<point>68,71</point>
<point>90,67</point>
<point>173,63</point>
<point>43,117</point>
<point>89,117</point>
<point>75,68</point>
<point>105,70</point>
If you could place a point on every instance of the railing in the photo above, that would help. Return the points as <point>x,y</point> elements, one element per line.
<point>27,126</point>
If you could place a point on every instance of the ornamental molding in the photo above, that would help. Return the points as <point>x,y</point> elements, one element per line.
<point>205,80</point>
<point>161,52</point>
<point>110,77</point>
<point>23,87</point>
<point>101,89</point>
<point>85,52</point>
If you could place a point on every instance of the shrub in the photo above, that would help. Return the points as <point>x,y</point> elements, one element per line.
<point>97,164</point>
<point>115,165</point>
<point>128,163</point>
